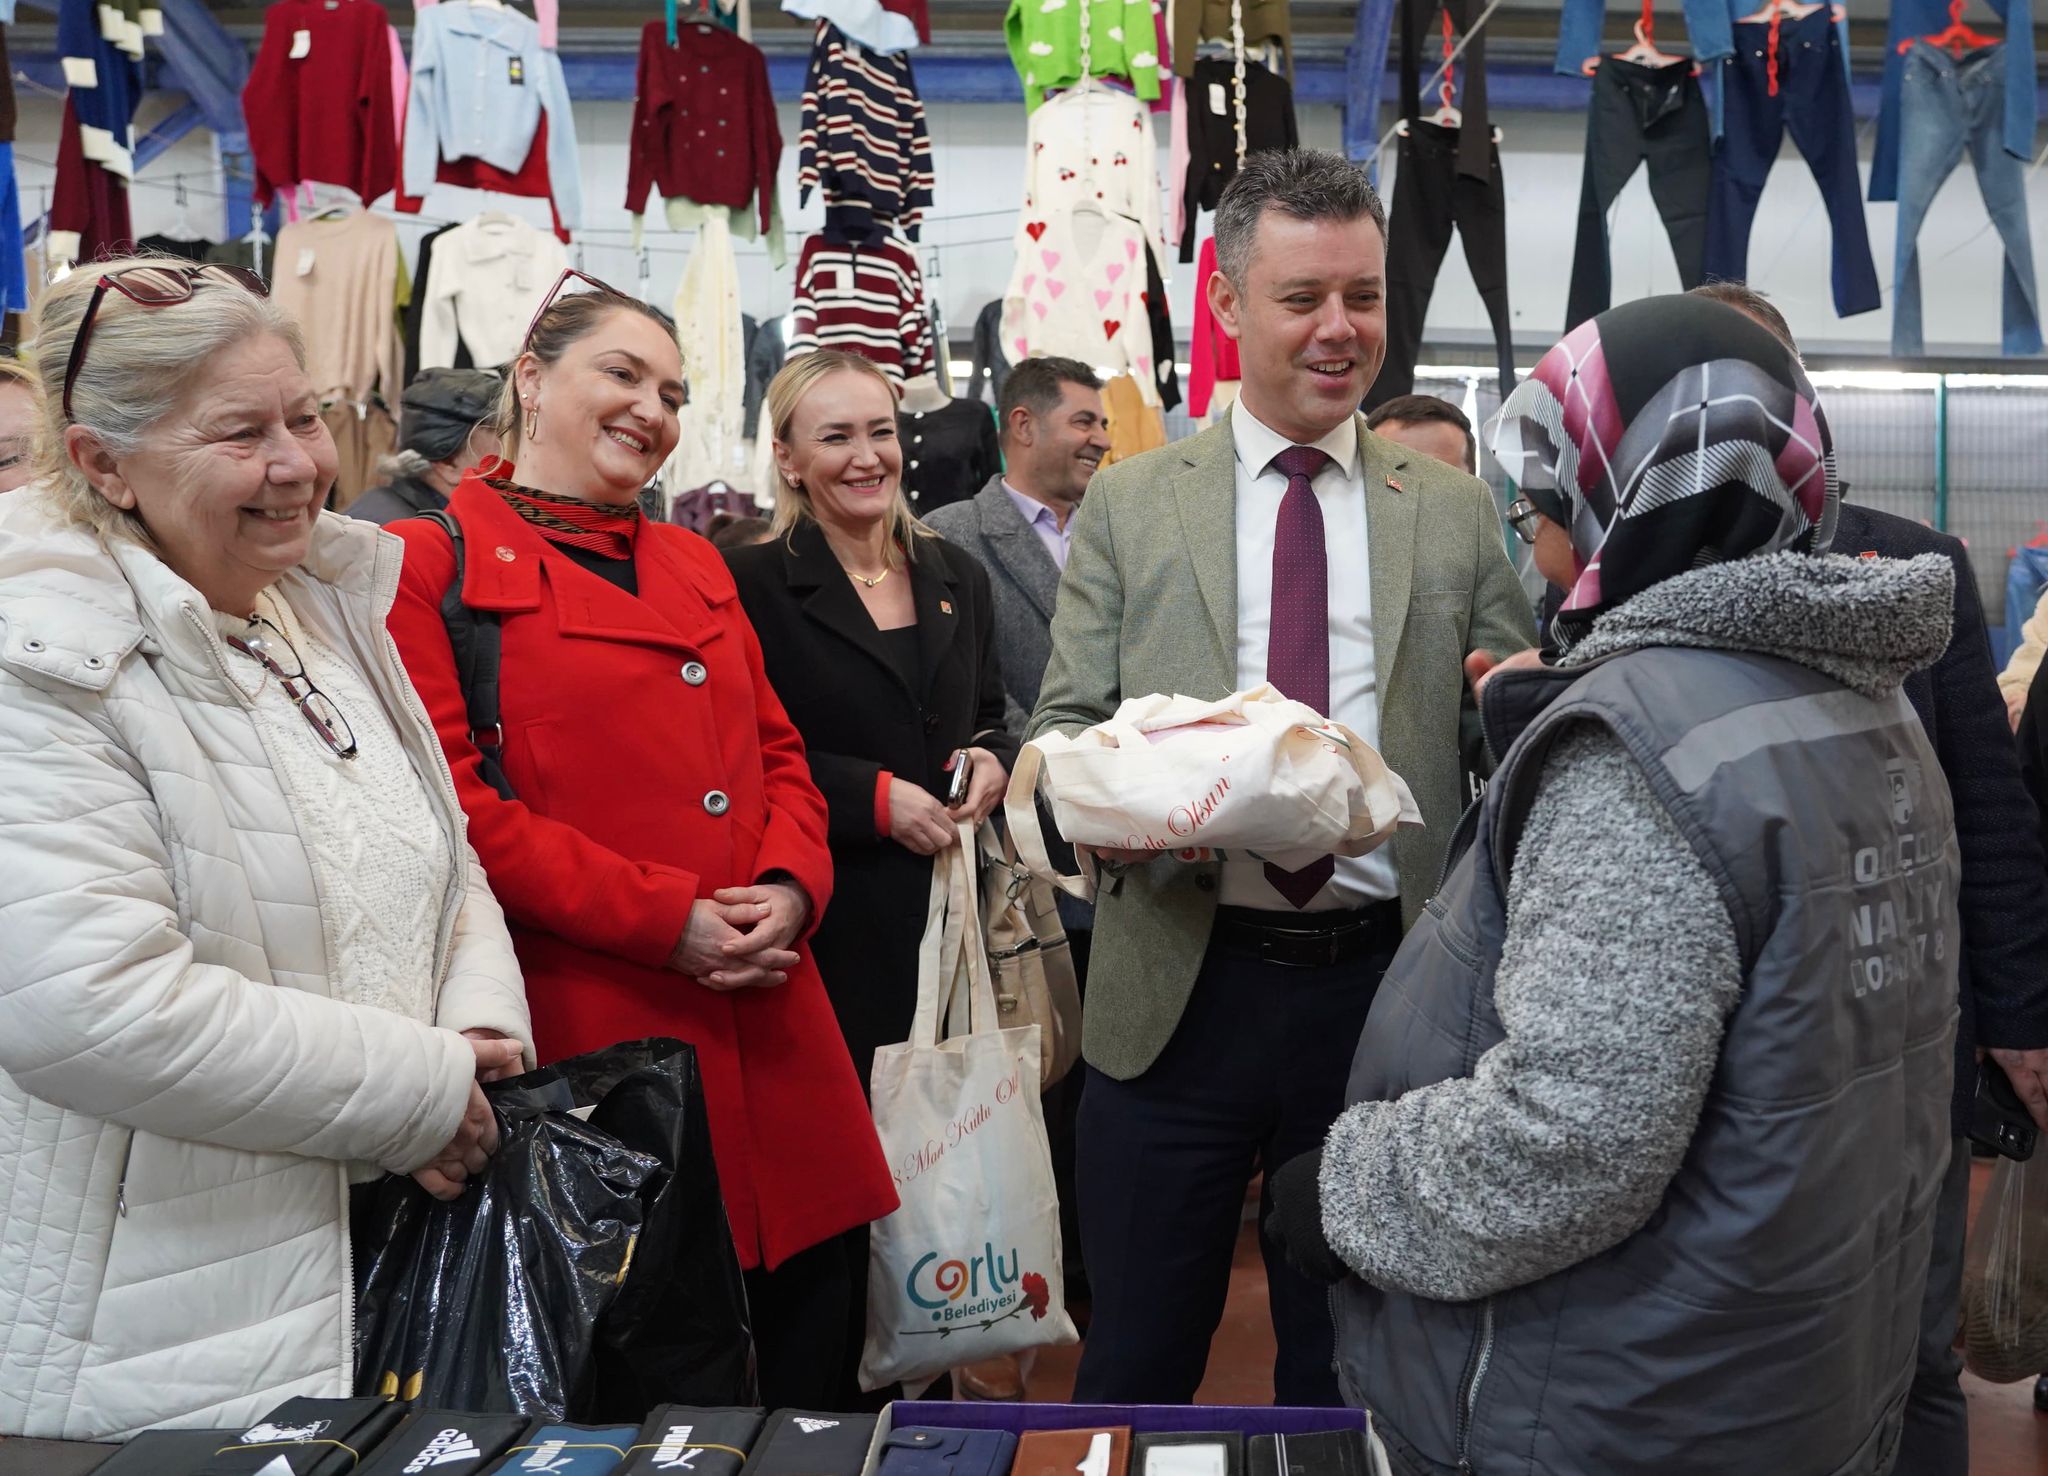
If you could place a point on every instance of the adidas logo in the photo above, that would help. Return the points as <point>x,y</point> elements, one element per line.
<point>812,1427</point>
<point>675,1453</point>
<point>444,1449</point>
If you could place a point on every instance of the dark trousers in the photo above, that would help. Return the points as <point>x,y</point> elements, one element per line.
<point>800,1319</point>
<point>1253,1076</point>
<point>1431,199</point>
<point>1642,115</point>
<point>1936,1438</point>
<point>1806,92</point>
<point>1062,1119</point>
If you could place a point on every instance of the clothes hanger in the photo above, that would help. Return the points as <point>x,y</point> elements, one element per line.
<point>1447,114</point>
<point>1781,10</point>
<point>1956,38</point>
<point>1644,51</point>
<point>181,228</point>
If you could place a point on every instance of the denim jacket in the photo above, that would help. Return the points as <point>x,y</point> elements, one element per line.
<point>1911,18</point>
<point>480,81</point>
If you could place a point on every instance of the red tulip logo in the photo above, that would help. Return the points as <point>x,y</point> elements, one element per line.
<point>1037,1295</point>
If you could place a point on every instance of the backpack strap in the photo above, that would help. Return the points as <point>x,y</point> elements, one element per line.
<point>476,639</point>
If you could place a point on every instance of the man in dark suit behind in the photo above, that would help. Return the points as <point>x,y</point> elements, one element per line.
<point>1054,436</point>
<point>2004,904</point>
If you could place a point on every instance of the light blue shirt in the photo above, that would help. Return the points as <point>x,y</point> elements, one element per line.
<point>1046,524</point>
<point>480,82</point>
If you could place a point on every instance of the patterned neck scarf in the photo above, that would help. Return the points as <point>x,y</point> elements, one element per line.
<point>1664,435</point>
<point>567,522</point>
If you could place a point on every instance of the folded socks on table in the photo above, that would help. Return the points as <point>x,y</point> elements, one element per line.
<point>569,1450</point>
<point>802,1442</point>
<point>314,1437</point>
<point>704,1442</point>
<point>167,1452</point>
<point>1187,1453</point>
<point>1064,1452</point>
<point>1327,1453</point>
<point>445,1442</point>
<point>913,1450</point>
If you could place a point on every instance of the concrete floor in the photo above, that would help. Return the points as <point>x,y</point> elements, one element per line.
<point>2007,1437</point>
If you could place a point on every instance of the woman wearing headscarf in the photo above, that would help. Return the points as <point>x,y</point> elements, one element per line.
<point>447,426</point>
<point>1650,1114</point>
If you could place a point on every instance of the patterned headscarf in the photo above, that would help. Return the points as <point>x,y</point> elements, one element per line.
<point>1663,435</point>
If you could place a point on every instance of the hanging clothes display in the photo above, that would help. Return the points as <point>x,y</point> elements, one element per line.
<point>319,101</point>
<point>888,26</point>
<point>1365,72</point>
<point>990,366</point>
<point>704,127</point>
<point>1910,19</point>
<point>712,339</point>
<point>101,47</point>
<point>863,143</point>
<point>481,83</point>
<point>1436,193</point>
<point>1212,131</point>
<point>1212,353</point>
<point>484,282</point>
<point>948,453</point>
<point>1639,115</point>
<point>1196,21</point>
<point>1949,105</point>
<point>1077,291</point>
<point>866,295</point>
<point>1134,426</point>
<point>546,14</point>
<point>530,180</point>
<point>13,259</point>
<point>1159,319</point>
<point>765,356</point>
<point>1093,145</point>
<point>1707,27</point>
<point>1046,45</point>
<point>340,277</point>
<point>1789,73</point>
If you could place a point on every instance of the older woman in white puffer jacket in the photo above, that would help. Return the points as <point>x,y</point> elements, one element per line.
<point>242,937</point>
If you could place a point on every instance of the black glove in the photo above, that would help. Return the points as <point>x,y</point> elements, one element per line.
<point>1294,1219</point>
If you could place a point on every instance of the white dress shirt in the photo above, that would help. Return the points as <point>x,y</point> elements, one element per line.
<point>1354,688</point>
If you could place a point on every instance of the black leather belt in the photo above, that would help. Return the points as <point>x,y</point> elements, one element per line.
<point>1307,940</point>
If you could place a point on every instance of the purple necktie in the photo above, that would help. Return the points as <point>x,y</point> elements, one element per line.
<point>1298,641</point>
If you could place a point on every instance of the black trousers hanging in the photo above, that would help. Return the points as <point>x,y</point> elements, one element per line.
<point>1642,115</point>
<point>1431,199</point>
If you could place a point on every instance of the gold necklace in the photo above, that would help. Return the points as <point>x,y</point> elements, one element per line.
<point>871,583</point>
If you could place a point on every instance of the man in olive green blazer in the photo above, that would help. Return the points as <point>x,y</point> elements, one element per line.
<point>1215,1046</point>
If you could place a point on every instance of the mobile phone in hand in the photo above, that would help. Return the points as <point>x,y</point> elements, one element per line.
<point>962,765</point>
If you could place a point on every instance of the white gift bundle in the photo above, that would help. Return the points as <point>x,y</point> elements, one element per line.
<point>1253,774</point>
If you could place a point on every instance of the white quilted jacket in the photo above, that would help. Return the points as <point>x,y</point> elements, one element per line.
<point>178,1094</point>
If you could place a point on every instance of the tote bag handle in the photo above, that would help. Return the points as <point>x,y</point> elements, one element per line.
<point>954,952</point>
<point>1020,810</point>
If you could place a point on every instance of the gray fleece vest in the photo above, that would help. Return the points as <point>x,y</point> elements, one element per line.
<point>1764,1319</point>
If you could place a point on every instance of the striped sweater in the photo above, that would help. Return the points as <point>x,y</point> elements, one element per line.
<point>867,298</point>
<point>863,140</point>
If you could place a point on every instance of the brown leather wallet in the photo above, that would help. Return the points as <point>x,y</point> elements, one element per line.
<point>1065,1453</point>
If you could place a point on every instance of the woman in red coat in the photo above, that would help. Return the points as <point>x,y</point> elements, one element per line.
<point>664,860</point>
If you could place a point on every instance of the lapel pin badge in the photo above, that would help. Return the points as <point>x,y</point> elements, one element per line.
<point>945,607</point>
<point>1395,483</point>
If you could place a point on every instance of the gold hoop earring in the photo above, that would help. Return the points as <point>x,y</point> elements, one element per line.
<point>532,422</point>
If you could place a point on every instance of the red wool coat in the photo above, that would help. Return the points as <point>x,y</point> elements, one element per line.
<point>653,764</point>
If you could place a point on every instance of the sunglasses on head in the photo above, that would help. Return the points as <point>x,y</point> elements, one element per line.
<point>568,274</point>
<point>156,285</point>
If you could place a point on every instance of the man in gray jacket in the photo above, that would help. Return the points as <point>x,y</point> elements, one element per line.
<point>1019,526</point>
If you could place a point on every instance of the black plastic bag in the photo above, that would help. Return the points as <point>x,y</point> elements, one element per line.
<point>678,1332</point>
<point>491,1302</point>
<point>588,1275</point>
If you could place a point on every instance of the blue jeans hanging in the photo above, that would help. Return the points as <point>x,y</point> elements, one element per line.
<point>1946,106</point>
<point>1788,75</point>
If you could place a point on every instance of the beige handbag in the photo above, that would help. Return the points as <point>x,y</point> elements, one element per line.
<point>1029,960</point>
